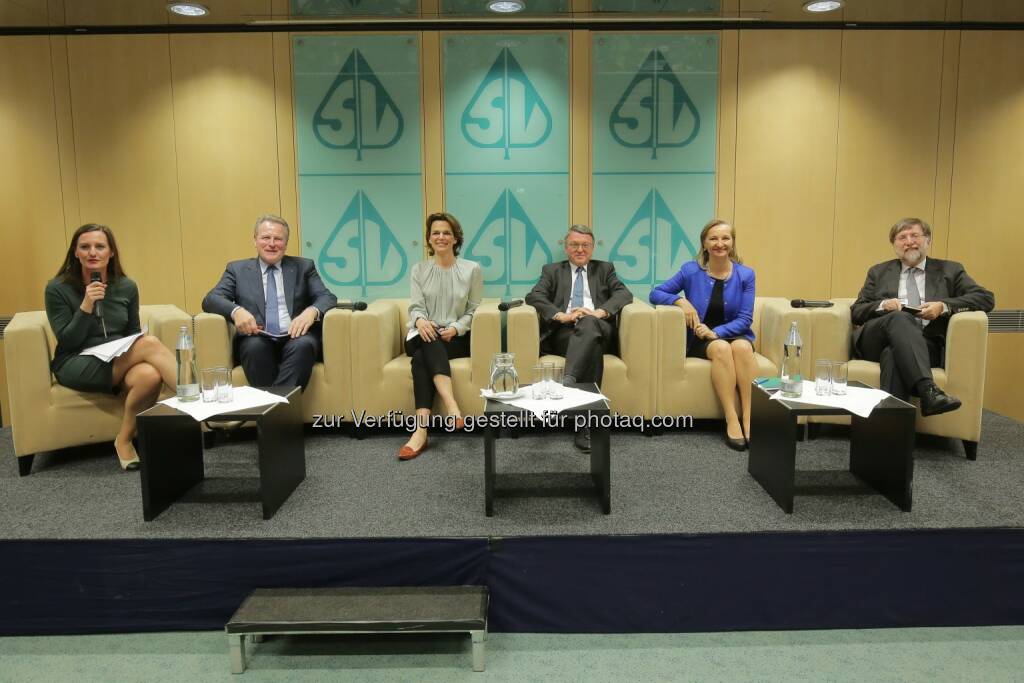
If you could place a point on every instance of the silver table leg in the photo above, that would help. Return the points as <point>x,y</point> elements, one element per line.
<point>236,646</point>
<point>479,639</point>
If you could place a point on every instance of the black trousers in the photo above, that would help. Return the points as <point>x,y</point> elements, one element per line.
<point>274,362</point>
<point>429,359</point>
<point>583,345</point>
<point>907,355</point>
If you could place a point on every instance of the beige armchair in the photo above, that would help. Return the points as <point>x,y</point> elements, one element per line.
<point>684,384</point>
<point>382,373</point>
<point>330,386</point>
<point>963,376</point>
<point>46,416</point>
<point>629,378</point>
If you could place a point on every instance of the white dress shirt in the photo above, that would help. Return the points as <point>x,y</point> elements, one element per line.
<point>587,301</point>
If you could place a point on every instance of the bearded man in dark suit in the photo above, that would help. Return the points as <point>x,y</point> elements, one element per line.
<point>903,310</point>
<point>276,303</point>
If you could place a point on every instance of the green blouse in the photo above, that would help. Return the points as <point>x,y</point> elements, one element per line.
<point>76,330</point>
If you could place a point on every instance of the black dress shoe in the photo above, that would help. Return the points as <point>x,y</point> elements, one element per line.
<point>935,401</point>
<point>739,444</point>
<point>582,440</point>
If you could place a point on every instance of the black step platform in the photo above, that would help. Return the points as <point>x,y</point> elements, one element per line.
<point>413,609</point>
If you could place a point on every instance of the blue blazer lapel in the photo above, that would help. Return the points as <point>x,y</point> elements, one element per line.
<point>289,271</point>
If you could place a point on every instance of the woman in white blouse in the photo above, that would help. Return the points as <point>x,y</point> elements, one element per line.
<point>445,293</point>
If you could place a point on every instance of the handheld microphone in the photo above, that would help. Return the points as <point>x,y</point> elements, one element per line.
<point>351,306</point>
<point>98,306</point>
<point>808,303</point>
<point>505,305</point>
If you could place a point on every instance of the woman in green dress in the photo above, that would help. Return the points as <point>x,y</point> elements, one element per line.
<point>72,299</point>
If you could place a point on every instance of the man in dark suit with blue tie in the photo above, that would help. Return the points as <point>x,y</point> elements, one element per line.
<point>577,302</point>
<point>909,343</point>
<point>276,303</point>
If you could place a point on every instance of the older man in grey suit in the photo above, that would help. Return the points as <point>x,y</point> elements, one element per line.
<point>276,303</point>
<point>577,302</point>
<point>903,310</point>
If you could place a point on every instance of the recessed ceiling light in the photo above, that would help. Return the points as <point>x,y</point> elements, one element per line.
<point>188,9</point>
<point>823,5</point>
<point>506,6</point>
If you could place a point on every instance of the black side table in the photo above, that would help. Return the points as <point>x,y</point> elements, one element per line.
<point>600,445</point>
<point>881,446</point>
<point>171,452</point>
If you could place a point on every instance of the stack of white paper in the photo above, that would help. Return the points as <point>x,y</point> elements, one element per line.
<point>859,401</point>
<point>112,349</point>
<point>242,398</point>
<point>571,398</point>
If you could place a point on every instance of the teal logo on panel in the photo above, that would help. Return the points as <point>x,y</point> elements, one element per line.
<point>357,112</point>
<point>508,245</point>
<point>655,110</point>
<point>506,112</point>
<point>362,250</point>
<point>650,244</point>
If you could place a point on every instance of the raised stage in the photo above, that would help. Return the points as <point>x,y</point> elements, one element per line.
<point>692,542</point>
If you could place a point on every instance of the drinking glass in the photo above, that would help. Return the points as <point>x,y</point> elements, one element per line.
<point>208,384</point>
<point>822,377</point>
<point>541,378</point>
<point>555,388</point>
<point>224,385</point>
<point>839,377</point>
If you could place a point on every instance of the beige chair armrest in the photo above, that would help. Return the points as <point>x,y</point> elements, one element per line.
<point>27,355</point>
<point>966,354</point>
<point>637,341</point>
<point>375,342</point>
<point>523,329</point>
<point>777,316</point>
<point>165,322</point>
<point>831,330</point>
<point>484,342</point>
<point>212,341</point>
<point>671,345</point>
<point>336,340</point>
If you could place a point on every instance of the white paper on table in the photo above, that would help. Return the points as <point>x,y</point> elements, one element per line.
<point>242,398</point>
<point>279,335</point>
<point>858,400</point>
<point>110,350</point>
<point>571,398</point>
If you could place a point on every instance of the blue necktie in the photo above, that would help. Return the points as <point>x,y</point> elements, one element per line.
<point>577,288</point>
<point>273,325</point>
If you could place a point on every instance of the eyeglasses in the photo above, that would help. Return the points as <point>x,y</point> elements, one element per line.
<point>586,246</point>
<point>907,237</point>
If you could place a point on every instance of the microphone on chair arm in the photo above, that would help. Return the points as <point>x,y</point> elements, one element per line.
<point>351,306</point>
<point>810,303</point>
<point>505,305</point>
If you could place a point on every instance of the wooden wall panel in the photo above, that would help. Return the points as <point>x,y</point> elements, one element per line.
<point>125,155</point>
<point>23,13</point>
<point>787,120</point>
<point>988,172</point>
<point>432,132</point>
<point>987,200</point>
<point>1004,383</point>
<point>725,164</point>
<point>225,133</point>
<point>888,128</point>
<point>580,136</point>
<point>30,192</point>
<point>287,168</point>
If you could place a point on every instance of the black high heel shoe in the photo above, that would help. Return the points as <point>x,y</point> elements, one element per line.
<point>739,444</point>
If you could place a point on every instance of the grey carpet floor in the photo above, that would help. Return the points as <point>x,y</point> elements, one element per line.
<point>678,482</point>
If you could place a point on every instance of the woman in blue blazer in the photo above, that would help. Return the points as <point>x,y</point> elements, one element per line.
<point>719,309</point>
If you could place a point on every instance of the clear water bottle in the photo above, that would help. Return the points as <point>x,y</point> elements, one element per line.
<point>790,377</point>
<point>188,375</point>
